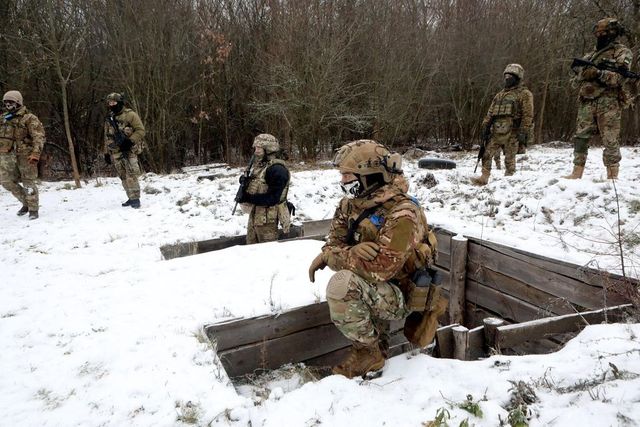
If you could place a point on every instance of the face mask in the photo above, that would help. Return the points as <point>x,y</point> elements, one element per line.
<point>10,106</point>
<point>510,80</point>
<point>351,189</point>
<point>604,41</point>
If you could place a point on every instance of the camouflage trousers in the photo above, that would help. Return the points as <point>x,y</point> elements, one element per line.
<point>128,170</point>
<point>601,115</point>
<point>267,232</point>
<point>506,143</point>
<point>15,169</point>
<point>360,309</point>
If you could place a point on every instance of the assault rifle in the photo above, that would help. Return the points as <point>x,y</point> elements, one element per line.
<point>606,66</point>
<point>244,182</point>
<point>486,136</point>
<point>120,139</point>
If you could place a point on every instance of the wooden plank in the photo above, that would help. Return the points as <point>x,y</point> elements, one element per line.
<point>505,306</point>
<point>514,287</point>
<point>257,329</point>
<point>457,279</point>
<point>510,335</point>
<point>556,284</point>
<point>590,276</point>
<point>460,342</point>
<point>273,353</point>
<point>491,334</point>
<point>444,342</point>
<point>476,343</point>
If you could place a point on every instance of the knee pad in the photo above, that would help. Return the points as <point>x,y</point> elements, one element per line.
<point>338,285</point>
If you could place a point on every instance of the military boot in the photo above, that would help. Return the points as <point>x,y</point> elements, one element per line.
<point>482,179</point>
<point>33,215</point>
<point>362,358</point>
<point>23,210</point>
<point>576,174</point>
<point>127,203</point>
<point>134,203</point>
<point>612,172</point>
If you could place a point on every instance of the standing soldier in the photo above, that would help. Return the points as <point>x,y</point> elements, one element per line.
<point>508,123</point>
<point>602,97</point>
<point>265,198</point>
<point>123,141</point>
<point>378,240</point>
<point>21,142</point>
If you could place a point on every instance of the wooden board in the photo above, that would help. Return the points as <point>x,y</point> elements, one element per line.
<point>505,306</point>
<point>510,335</point>
<point>576,292</point>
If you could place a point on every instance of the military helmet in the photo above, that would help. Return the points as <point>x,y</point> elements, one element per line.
<point>367,157</point>
<point>267,142</point>
<point>515,69</point>
<point>608,26</point>
<point>13,95</point>
<point>115,96</point>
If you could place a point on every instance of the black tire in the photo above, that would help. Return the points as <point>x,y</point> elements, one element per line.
<point>431,163</point>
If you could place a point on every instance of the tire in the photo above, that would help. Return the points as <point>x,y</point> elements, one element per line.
<point>431,163</point>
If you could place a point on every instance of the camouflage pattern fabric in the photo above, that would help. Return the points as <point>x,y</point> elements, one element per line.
<point>363,292</point>
<point>22,136</point>
<point>601,102</point>
<point>126,164</point>
<point>15,169</point>
<point>511,112</point>
<point>128,170</point>
<point>358,307</point>
<point>263,220</point>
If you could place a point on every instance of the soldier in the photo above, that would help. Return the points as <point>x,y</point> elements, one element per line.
<point>123,141</point>
<point>602,97</point>
<point>509,122</point>
<point>265,198</point>
<point>21,143</point>
<point>378,240</point>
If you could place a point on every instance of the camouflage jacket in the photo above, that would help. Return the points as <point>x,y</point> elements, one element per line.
<point>395,222</point>
<point>21,131</point>
<point>608,83</point>
<point>130,124</point>
<point>511,112</point>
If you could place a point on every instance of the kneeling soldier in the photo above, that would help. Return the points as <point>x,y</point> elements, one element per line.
<point>379,240</point>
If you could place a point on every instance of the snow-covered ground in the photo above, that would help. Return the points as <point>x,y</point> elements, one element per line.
<point>97,330</point>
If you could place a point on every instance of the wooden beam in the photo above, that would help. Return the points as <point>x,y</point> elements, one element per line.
<point>490,334</point>
<point>444,342</point>
<point>460,342</point>
<point>503,305</point>
<point>510,335</point>
<point>457,279</point>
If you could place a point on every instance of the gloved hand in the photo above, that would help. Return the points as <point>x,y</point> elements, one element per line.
<point>33,159</point>
<point>522,138</point>
<point>590,73</point>
<point>366,251</point>
<point>486,132</point>
<point>107,159</point>
<point>126,145</point>
<point>317,264</point>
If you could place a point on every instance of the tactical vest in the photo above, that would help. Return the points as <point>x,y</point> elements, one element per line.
<point>595,89</point>
<point>124,122</point>
<point>269,214</point>
<point>14,131</point>
<point>368,229</point>
<point>506,111</point>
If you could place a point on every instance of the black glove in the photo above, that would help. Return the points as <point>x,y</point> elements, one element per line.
<point>522,138</point>
<point>486,132</point>
<point>107,159</point>
<point>126,144</point>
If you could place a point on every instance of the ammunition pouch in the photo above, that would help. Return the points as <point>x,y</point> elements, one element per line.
<point>420,327</point>
<point>422,289</point>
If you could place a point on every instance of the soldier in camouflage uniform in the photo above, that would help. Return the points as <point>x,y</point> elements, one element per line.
<point>122,146</point>
<point>602,97</point>
<point>378,238</point>
<point>509,122</point>
<point>265,199</point>
<point>21,143</point>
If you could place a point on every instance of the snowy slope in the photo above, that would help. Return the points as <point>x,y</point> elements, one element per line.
<point>97,329</point>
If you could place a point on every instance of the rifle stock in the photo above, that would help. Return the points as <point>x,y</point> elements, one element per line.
<point>486,136</point>
<point>244,182</point>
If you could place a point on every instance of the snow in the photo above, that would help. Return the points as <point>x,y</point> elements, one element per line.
<point>97,329</point>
